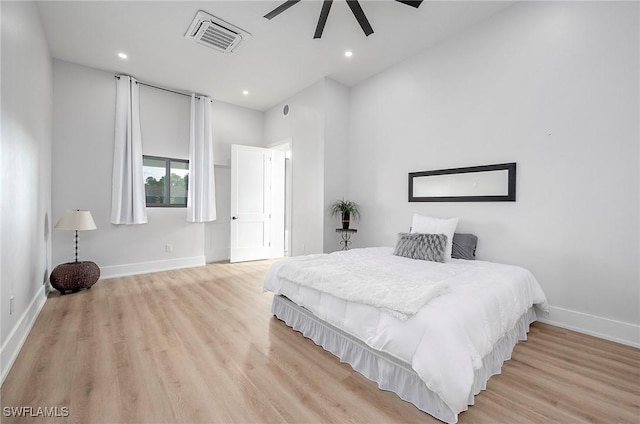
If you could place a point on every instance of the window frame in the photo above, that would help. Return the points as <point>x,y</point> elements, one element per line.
<point>167,186</point>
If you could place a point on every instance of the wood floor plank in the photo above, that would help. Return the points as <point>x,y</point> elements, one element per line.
<point>199,345</point>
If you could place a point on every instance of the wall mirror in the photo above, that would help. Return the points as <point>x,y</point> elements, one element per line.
<point>489,183</point>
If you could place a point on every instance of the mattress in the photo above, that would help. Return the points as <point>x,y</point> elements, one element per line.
<point>448,342</point>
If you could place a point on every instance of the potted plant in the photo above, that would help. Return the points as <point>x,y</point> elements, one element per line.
<point>347,209</point>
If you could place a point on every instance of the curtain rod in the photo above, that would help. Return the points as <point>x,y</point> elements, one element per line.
<point>162,88</point>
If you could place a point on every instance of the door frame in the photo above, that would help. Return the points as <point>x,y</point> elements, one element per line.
<point>286,146</point>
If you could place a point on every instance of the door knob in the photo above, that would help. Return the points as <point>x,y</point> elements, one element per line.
<point>234,217</point>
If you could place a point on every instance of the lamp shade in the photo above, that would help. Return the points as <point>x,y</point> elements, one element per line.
<point>76,220</point>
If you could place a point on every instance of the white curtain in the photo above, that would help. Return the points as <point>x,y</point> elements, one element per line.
<point>128,204</point>
<point>201,200</point>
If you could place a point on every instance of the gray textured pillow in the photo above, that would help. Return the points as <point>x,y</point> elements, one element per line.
<point>464,246</point>
<point>429,247</point>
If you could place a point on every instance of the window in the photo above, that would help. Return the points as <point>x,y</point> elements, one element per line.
<point>157,172</point>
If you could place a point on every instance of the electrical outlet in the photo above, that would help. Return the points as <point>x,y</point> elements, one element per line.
<point>11,302</point>
<point>168,248</point>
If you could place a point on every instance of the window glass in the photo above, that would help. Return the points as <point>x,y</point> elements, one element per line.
<point>179,183</point>
<point>166,181</point>
<point>154,177</point>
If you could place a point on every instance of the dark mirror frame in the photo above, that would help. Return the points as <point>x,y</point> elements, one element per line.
<point>509,197</point>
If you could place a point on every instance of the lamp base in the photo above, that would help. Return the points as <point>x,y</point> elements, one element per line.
<point>74,276</point>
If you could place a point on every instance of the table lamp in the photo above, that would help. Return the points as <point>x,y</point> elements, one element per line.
<point>76,220</point>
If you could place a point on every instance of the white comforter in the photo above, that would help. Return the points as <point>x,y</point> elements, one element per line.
<point>447,338</point>
<point>390,288</point>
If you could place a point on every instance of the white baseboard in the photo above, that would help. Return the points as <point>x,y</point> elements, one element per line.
<point>17,337</point>
<point>146,267</point>
<point>604,328</point>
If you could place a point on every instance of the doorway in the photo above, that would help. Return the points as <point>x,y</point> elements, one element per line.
<point>286,146</point>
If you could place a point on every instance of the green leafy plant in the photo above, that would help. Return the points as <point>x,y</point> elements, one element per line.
<point>340,207</point>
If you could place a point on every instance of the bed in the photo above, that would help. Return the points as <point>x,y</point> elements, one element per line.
<point>437,353</point>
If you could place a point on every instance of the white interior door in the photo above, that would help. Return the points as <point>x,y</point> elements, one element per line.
<point>256,209</point>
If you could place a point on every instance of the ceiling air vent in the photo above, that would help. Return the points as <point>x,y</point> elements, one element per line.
<point>213,32</point>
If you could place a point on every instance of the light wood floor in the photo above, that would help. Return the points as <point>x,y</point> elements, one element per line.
<point>199,345</point>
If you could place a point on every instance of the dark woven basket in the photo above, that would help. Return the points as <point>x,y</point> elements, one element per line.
<point>74,276</point>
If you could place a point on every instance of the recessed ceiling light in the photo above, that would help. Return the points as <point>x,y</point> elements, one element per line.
<point>245,92</point>
<point>348,53</point>
<point>122,55</point>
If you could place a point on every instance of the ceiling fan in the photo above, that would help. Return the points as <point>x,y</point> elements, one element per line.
<point>354,5</point>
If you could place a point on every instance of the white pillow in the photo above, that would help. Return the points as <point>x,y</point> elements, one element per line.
<point>427,225</point>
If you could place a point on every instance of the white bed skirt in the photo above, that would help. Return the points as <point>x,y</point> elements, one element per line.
<point>389,372</point>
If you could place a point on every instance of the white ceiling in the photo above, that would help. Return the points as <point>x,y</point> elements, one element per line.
<point>280,59</point>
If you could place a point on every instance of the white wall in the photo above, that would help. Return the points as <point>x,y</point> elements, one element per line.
<point>235,125</point>
<point>218,232</point>
<point>305,126</point>
<point>84,107</point>
<point>83,111</point>
<point>336,158</point>
<point>552,86</point>
<point>232,125</point>
<point>318,126</point>
<point>26,174</point>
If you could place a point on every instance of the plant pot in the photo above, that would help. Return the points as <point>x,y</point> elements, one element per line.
<point>345,220</point>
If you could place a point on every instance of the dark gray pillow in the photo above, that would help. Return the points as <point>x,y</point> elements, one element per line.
<point>429,247</point>
<point>464,246</point>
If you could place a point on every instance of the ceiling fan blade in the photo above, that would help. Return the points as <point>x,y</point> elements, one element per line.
<point>354,5</point>
<point>278,10</point>
<point>324,13</point>
<point>414,3</point>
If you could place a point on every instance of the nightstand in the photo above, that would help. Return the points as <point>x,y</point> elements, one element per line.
<point>346,236</point>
